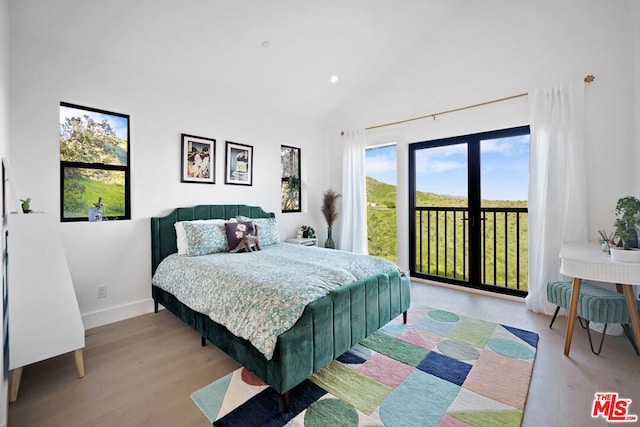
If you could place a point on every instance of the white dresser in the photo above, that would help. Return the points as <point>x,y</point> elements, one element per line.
<point>44,317</point>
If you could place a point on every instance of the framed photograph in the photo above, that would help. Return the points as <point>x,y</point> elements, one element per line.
<point>238,164</point>
<point>290,178</point>
<point>198,159</point>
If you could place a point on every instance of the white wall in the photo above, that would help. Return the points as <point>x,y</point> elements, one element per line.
<point>634,18</point>
<point>4,142</point>
<point>47,67</point>
<point>495,50</point>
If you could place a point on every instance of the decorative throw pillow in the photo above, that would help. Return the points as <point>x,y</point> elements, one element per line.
<point>236,231</point>
<point>267,229</point>
<point>181,236</point>
<point>205,238</point>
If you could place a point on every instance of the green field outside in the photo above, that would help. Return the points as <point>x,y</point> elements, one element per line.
<point>438,257</point>
<point>82,192</point>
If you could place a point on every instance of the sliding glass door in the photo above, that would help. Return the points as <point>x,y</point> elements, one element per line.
<point>468,210</point>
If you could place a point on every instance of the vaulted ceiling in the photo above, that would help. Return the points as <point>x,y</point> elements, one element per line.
<point>215,49</point>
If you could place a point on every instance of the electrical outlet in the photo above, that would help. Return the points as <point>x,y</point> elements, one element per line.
<point>102,291</point>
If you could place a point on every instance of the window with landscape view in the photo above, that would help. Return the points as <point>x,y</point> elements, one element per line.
<point>381,173</point>
<point>94,163</point>
<point>469,222</point>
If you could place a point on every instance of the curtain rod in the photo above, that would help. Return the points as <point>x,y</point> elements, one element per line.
<point>588,79</point>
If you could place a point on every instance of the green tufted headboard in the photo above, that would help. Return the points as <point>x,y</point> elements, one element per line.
<point>163,233</point>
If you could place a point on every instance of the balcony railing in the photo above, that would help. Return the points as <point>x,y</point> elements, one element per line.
<point>442,246</point>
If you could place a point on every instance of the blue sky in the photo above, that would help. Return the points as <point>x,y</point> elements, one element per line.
<point>381,164</point>
<point>119,124</point>
<point>443,170</point>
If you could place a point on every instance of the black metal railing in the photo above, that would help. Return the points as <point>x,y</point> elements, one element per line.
<point>442,245</point>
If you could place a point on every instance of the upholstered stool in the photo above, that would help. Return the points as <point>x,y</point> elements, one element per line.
<point>596,304</point>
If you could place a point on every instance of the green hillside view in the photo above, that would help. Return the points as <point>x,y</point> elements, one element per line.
<point>446,257</point>
<point>89,148</point>
<point>382,219</point>
<point>81,192</point>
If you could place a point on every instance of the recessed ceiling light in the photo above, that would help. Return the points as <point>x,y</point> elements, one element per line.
<point>266,44</point>
<point>334,79</point>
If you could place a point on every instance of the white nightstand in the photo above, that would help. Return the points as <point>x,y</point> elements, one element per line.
<point>305,241</point>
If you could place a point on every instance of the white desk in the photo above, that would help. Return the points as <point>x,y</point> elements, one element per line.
<point>585,260</point>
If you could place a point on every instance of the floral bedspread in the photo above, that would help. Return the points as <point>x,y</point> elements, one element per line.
<point>259,295</point>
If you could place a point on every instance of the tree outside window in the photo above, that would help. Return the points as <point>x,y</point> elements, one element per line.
<point>94,163</point>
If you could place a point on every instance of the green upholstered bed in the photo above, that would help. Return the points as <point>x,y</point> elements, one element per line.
<point>327,328</point>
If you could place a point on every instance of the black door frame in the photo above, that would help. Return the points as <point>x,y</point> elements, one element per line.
<point>473,202</point>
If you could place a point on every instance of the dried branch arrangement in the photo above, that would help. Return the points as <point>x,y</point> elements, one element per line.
<point>329,206</point>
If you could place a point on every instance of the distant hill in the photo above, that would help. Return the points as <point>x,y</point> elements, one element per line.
<point>380,194</point>
<point>383,239</point>
<point>382,219</point>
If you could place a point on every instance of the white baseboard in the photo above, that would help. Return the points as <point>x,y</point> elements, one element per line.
<point>115,314</point>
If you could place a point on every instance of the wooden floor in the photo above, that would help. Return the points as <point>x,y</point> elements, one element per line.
<point>141,371</point>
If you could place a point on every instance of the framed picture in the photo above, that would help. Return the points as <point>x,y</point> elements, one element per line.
<point>198,159</point>
<point>238,164</point>
<point>290,178</point>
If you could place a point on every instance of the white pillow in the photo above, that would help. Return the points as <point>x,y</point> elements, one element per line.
<point>181,235</point>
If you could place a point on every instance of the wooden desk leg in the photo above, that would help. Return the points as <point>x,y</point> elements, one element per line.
<point>627,290</point>
<point>79,362</point>
<point>573,309</point>
<point>16,377</point>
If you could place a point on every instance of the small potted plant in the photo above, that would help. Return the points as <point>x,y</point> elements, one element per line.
<point>25,204</point>
<point>307,231</point>
<point>293,184</point>
<point>626,211</point>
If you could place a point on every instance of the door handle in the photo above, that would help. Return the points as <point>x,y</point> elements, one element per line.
<point>473,220</point>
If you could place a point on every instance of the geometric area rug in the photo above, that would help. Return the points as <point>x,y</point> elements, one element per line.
<point>440,369</point>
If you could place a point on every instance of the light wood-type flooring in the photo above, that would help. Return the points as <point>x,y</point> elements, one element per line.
<point>141,371</point>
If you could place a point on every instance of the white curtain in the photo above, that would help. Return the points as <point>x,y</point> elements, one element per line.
<point>353,218</point>
<point>557,184</point>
